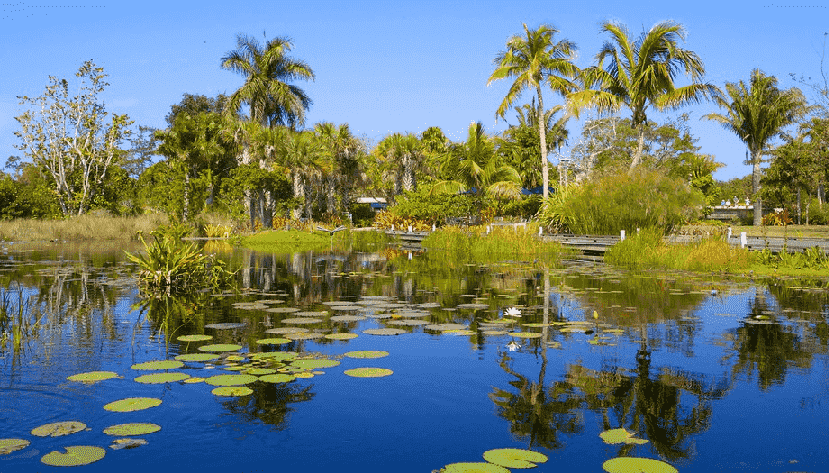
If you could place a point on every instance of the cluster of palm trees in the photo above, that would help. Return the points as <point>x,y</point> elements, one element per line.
<point>327,161</point>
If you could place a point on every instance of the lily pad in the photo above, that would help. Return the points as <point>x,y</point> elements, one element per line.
<point>161,378</point>
<point>347,318</point>
<point>308,313</point>
<point>74,456</point>
<point>285,330</point>
<point>444,327</point>
<point>225,326</point>
<point>341,336</point>
<point>12,445</point>
<point>473,306</point>
<point>260,371</point>
<point>408,322</point>
<point>514,458</point>
<point>93,376</point>
<point>474,467</point>
<point>132,404</point>
<point>271,301</point>
<point>345,308</point>
<point>195,338</point>
<point>460,332</point>
<point>198,357</point>
<point>500,321</point>
<point>639,465</point>
<point>230,379</point>
<point>384,331</point>
<point>494,332</point>
<point>132,429</point>
<point>366,354</point>
<point>275,355</point>
<point>620,436</point>
<point>272,341</point>
<point>232,391</point>
<point>314,364</point>
<point>58,429</point>
<point>276,378</point>
<point>282,310</point>
<point>194,380</point>
<point>302,321</point>
<point>221,347</point>
<point>158,365</point>
<point>121,444</point>
<point>368,372</point>
<point>525,334</point>
<point>304,336</point>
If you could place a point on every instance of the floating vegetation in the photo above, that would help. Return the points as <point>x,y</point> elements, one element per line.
<point>347,318</point>
<point>620,436</point>
<point>285,330</point>
<point>58,429</point>
<point>221,347</point>
<point>120,444</point>
<point>515,458</point>
<point>277,378</point>
<point>341,336</point>
<point>194,338</point>
<point>131,404</point>
<point>158,365</point>
<point>282,310</point>
<point>198,357</point>
<point>194,380</point>
<point>74,456</point>
<point>500,321</point>
<point>472,306</point>
<point>309,313</point>
<point>302,321</point>
<point>525,334</point>
<point>408,322</point>
<point>132,429</point>
<point>304,375</point>
<point>473,467</point>
<point>494,332</point>
<point>260,371</point>
<point>230,379</point>
<point>273,341</point>
<point>304,336</point>
<point>366,354</point>
<point>384,331</point>
<point>12,445</point>
<point>271,301</point>
<point>232,391</point>
<point>314,364</point>
<point>368,372</point>
<point>640,465</point>
<point>161,378</point>
<point>226,326</point>
<point>275,355</point>
<point>444,327</point>
<point>93,376</point>
<point>459,332</point>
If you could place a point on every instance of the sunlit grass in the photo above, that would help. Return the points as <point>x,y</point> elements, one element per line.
<point>500,244</point>
<point>80,228</point>
<point>297,240</point>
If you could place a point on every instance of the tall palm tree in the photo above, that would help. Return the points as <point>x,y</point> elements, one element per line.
<point>306,156</point>
<point>757,113</point>
<point>641,73</point>
<point>532,61</point>
<point>522,141</point>
<point>344,149</point>
<point>272,100</point>
<point>402,155</point>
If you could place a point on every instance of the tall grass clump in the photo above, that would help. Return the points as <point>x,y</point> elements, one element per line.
<point>614,202</point>
<point>90,227</point>
<point>475,244</point>
<point>647,249</point>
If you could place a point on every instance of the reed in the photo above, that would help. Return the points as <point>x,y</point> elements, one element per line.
<point>80,228</point>
<point>497,244</point>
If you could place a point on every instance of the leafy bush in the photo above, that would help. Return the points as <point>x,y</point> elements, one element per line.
<point>641,199</point>
<point>362,215</point>
<point>386,219</point>
<point>435,209</point>
<point>778,218</point>
<point>525,207</point>
<point>818,215</point>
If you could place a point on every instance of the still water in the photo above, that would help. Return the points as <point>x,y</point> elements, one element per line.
<point>717,374</point>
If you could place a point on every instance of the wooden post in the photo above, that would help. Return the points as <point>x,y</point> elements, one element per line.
<point>743,239</point>
<point>623,235</point>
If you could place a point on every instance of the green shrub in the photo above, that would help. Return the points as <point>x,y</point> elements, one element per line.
<point>434,208</point>
<point>362,215</point>
<point>525,207</point>
<point>642,199</point>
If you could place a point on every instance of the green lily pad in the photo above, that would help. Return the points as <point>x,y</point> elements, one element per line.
<point>132,429</point>
<point>12,445</point>
<point>285,330</point>
<point>500,321</point>
<point>384,331</point>
<point>194,338</point>
<point>620,436</point>
<point>133,404</point>
<point>194,380</point>
<point>408,322</point>
<point>445,327</point>
<point>276,378</point>
<point>158,365</point>
<point>225,326</point>
<point>272,341</point>
<point>314,364</point>
<point>347,318</point>
<point>494,332</point>
<point>74,456</point>
<point>304,375</point>
<point>366,354</point>
<point>161,378</point>
<point>232,391</point>
<point>310,313</point>
<point>58,429</point>
<point>639,465</point>
<point>340,336</point>
<point>474,467</point>
<point>514,458</point>
<point>93,376</point>
<point>198,357</point>
<point>275,355</point>
<point>302,321</point>
<point>368,372</point>
<point>230,379</point>
<point>525,335</point>
<point>304,336</point>
<point>282,310</point>
<point>221,347</point>
<point>236,368</point>
<point>460,332</point>
<point>120,444</point>
<point>260,371</point>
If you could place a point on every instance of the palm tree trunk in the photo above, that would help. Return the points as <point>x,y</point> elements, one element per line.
<point>542,133</point>
<point>186,193</point>
<point>637,158</point>
<point>299,191</point>
<point>755,188</point>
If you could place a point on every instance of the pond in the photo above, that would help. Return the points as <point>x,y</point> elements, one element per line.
<point>705,373</point>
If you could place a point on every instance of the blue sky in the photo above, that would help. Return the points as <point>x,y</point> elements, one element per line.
<point>381,66</point>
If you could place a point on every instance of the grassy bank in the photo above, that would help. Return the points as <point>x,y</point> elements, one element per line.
<point>280,241</point>
<point>80,228</point>
<point>474,244</point>
<point>769,231</point>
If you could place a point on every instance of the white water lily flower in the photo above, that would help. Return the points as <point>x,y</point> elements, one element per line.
<point>512,311</point>
<point>513,346</point>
